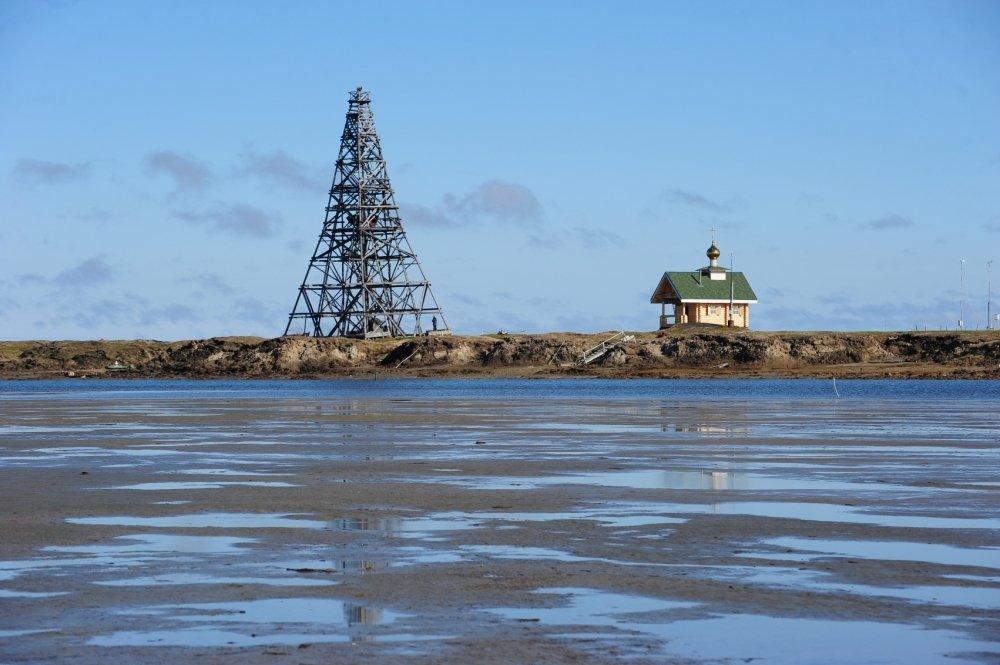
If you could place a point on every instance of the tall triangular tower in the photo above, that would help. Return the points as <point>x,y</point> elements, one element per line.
<point>364,279</point>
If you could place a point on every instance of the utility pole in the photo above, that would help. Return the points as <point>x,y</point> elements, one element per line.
<point>731,319</point>
<point>989,290</point>
<point>961,299</point>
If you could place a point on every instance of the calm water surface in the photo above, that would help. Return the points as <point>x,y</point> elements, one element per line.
<point>511,389</point>
<point>911,464</point>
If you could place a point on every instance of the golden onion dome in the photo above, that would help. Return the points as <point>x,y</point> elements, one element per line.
<point>713,252</point>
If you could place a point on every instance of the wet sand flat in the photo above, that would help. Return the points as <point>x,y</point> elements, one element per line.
<point>310,529</point>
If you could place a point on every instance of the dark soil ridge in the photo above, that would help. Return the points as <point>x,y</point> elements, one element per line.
<point>679,352</point>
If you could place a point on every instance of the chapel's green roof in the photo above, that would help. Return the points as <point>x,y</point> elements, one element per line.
<point>698,286</point>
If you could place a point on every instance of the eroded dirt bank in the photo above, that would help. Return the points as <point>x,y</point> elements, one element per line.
<point>675,353</point>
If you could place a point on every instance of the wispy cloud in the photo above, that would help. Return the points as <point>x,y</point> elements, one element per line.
<point>174,313</point>
<point>993,226</point>
<point>130,311</point>
<point>41,172</point>
<point>29,279</point>
<point>694,200</point>
<point>87,273</point>
<point>188,174</point>
<point>834,312</point>
<point>499,199</point>
<point>576,236</point>
<point>596,238</point>
<point>209,282</point>
<point>278,167</point>
<point>465,299</point>
<point>889,222</point>
<point>421,215</point>
<point>98,215</point>
<point>257,311</point>
<point>492,201</point>
<point>239,219</point>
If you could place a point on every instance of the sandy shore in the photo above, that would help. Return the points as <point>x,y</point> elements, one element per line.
<point>425,531</point>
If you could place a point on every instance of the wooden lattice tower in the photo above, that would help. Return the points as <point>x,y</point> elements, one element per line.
<point>364,280</point>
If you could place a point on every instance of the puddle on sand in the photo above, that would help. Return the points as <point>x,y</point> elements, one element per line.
<point>808,549</point>
<point>124,551</point>
<point>223,472</point>
<point>745,637</point>
<point>591,607</point>
<point>179,579</point>
<point>421,555</point>
<point>427,528</point>
<point>284,611</point>
<point>7,593</point>
<point>156,487</point>
<point>47,457</point>
<point>418,527</point>
<point>989,579</point>
<point>289,621</point>
<point>22,633</point>
<point>787,641</point>
<point>591,428</point>
<point>334,566</point>
<point>677,480</point>
<point>980,598</point>
<point>206,520</point>
<point>10,570</point>
<point>816,512</point>
<point>160,543</point>
<point>201,637</point>
<point>987,598</point>
<point>622,519</point>
<point>516,552</point>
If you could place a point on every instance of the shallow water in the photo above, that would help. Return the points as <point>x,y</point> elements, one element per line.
<point>208,521</point>
<point>408,390</point>
<point>809,641</point>
<point>690,480</point>
<point>301,620</point>
<point>883,498</point>
<point>825,512</point>
<point>988,557</point>
<point>168,543</point>
<point>743,637</point>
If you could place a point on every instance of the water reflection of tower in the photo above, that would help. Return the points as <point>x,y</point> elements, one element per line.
<point>388,524</point>
<point>726,480</point>
<point>710,422</point>
<point>360,615</point>
<point>706,480</point>
<point>360,524</point>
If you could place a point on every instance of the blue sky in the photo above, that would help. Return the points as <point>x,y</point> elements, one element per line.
<point>164,164</point>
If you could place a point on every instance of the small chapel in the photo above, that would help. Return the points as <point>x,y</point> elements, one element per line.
<point>711,295</point>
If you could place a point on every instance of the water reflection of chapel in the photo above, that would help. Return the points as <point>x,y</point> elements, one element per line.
<point>711,295</point>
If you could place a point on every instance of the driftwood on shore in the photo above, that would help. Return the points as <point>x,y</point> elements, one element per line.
<point>674,353</point>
